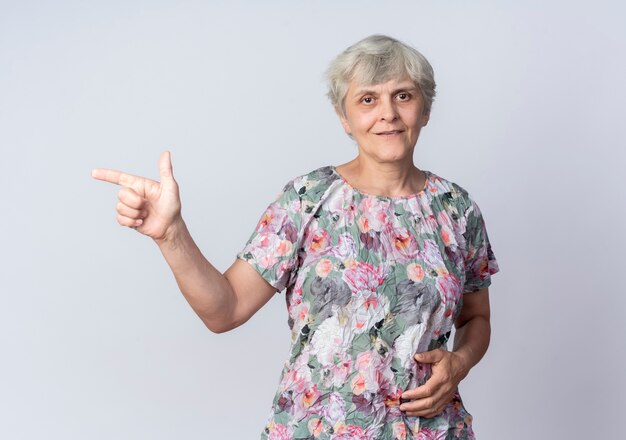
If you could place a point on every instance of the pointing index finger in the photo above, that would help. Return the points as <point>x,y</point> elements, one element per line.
<point>117,177</point>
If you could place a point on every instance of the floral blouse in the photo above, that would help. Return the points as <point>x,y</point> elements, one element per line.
<point>370,280</point>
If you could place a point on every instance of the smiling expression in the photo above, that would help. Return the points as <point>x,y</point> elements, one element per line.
<point>384,119</point>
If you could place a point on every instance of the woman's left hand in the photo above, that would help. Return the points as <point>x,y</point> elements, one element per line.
<point>448,369</point>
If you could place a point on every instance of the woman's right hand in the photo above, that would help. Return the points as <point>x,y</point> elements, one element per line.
<point>150,207</point>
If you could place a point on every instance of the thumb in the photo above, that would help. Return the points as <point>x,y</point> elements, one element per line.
<point>428,357</point>
<point>165,167</point>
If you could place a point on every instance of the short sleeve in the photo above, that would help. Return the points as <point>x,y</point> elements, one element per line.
<point>480,261</point>
<point>272,249</point>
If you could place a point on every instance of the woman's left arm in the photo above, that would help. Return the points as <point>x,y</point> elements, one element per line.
<point>471,339</point>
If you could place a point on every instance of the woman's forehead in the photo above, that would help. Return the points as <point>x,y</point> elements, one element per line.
<point>357,87</point>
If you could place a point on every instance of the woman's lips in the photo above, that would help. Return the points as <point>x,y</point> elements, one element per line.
<point>390,132</point>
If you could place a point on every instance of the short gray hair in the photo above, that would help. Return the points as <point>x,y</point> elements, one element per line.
<point>377,59</point>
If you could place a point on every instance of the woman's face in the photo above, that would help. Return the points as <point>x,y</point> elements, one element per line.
<point>385,119</point>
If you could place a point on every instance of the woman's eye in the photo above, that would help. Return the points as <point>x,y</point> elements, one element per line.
<point>367,100</point>
<point>404,96</point>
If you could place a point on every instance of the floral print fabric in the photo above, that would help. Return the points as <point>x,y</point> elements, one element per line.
<point>370,281</point>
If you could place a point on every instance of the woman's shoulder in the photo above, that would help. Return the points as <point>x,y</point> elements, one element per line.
<point>312,185</point>
<point>450,193</point>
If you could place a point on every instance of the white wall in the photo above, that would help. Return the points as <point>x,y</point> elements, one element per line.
<point>98,343</point>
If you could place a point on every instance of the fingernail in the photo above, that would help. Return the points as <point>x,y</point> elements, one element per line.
<point>140,221</point>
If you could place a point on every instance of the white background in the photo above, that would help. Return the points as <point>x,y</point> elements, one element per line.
<point>98,343</point>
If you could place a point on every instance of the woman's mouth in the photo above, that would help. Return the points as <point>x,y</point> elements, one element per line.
<point>390,132</point>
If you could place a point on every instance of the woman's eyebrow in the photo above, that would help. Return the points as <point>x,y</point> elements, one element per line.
<point>360,92</point>
<point>408,88</point>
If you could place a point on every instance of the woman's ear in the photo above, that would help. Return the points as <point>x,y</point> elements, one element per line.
<point>425,118</point>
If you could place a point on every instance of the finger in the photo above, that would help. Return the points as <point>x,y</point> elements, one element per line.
<point>130,198</point>
<point>439,381</point>
<point>165,166</point>
<point>127,211</point>
<point>435,402</point>
<point>429,357</point>
<point>423,405</point>
<point>422,392</point>
<point>130,222</point>
<point>426,407</point>
<point>119,178</point>
<point>426,413</point>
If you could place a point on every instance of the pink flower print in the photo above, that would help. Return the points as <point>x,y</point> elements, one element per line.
<point>284,247</point>
<point>480,266</point>
<point>345,248</point>
<point>363,360</point>
<point>336,205</point>
<point>364,224</point>
<point>371,375</point>
<point>358,384</point>
<point>323,267</point>
<point>317,241</point>
<point>276,221</point>
<point>350,432</point>
<point>280,432</point>
<point>450,287</point>
<point>272,219</point>
<point>374,213</point>
<point>298,377</point>
<point>365,277</point>
<point>430,223</point>
<point>310,396</point>
<point>299,312</point>
<point>404,244</point>
<point>335,409</point>
<point>266,248</point>
<point>368,310</point>
<point>296,294</point>
<point>415,272</point>
<point>444,219</point>
<point>371,405</point>
<point>283,270</point>
<point>353,432</point>
<point>431,434</point>
<point>307,402</point>
<point>447,236</point>
<point>392,399</point>
<point>315,426</point>
<point>328,341</point>
<point>399,431</point>
<point>263,250</point>
<point>431,254</point>
<point>341,369</point>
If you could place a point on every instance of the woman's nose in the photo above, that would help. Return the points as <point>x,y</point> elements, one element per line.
<point>388,110</point>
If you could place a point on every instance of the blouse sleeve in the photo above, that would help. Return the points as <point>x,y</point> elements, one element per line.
<point>480,261</point>
<point>272,249</point>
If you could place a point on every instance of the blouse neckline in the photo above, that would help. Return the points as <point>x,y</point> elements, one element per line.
<point>427,186</point>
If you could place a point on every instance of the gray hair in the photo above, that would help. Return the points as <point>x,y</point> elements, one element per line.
<point>377,59</point>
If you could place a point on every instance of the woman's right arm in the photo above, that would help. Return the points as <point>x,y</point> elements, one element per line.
<point>222,301</point>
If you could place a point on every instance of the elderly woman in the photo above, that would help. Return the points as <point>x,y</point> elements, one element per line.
<point>378,259</point>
